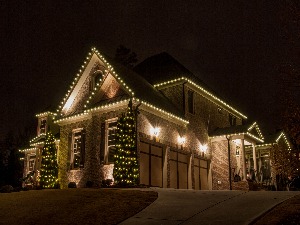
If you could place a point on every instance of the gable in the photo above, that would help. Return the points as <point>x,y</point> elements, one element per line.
<point>255,130</point>
<point>81,86</point>
<point>109,90</point>
<point>114,85</point>
<point>283,140</point>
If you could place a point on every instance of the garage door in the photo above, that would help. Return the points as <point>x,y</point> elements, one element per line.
<point>178,170</point>
<point>151,164</point>
<point>200,173</point>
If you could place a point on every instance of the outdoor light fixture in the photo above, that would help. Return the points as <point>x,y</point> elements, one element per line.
<point>203,149</point>
<point>181,140</point>
<point>154,131</point>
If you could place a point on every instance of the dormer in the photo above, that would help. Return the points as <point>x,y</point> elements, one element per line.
<point>45,121</point>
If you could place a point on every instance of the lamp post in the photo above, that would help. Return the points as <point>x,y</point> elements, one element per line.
<point>229,163</point>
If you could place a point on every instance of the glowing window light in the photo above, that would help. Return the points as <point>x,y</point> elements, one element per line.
<point>154,131</point>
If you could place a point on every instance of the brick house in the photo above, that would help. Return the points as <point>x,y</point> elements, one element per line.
<point>183,128</point>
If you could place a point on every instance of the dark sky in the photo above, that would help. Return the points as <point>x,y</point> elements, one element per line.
<point>234,47</point>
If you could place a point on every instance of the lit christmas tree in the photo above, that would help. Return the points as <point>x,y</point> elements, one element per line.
<point>49,168</point>
<point>126,170</point>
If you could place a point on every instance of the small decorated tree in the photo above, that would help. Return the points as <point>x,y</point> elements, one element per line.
<point>126,171</point>
<point>49,167</point>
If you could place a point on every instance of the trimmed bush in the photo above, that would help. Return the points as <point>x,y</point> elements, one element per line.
<point>72,185</point>
<point>6,189</point>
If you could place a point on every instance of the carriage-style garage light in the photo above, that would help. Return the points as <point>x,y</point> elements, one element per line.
<point>154,131</point>
<point>181,140</point>
<point>203,148</point>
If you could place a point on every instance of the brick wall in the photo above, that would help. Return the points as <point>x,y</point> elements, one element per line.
<point>219,164</point>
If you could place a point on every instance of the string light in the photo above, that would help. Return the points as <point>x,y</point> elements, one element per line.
<point>244,133</point>
<point>257,129</point>
<point>285,139</point>
<point>46,114</point>
<point>218,100</point>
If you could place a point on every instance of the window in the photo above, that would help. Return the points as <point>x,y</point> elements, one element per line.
<point>77,151</point>
<point>111,127</point>
<point>31,162</point>
<point>43,127</point>
<point>97,76</point>
<point>191,102</point>
<point>232,120</point>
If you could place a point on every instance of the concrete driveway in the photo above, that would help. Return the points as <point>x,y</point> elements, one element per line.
<point>207,207</point>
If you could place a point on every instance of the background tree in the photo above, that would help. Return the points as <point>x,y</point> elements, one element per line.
<point>10,165</point>
<point>125,56</point>
<point>284,165</point>
<point>289,70</point>
<point>49,167</point>
<point>126,171</point>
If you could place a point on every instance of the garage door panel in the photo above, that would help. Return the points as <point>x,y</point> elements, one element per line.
<point>197,178</point>
<point>203,163</point>
<point>144,169</point>
<point>182,158</point>
<point>144,147</point>
<point>156,150</point>
<point>173,155</point>
<point>203,178</point>
<point>173,174</point>
<point>156,171</point>
<point>182,172</point>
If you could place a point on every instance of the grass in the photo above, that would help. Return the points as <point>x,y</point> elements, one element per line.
<point>72,206</point>
<point>288,212</point>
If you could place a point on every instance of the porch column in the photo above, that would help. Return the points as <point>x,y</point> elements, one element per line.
<point>254,157</point>
<point>244,159</point>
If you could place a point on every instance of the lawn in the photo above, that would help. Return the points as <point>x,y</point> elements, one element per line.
<point>72,206</point>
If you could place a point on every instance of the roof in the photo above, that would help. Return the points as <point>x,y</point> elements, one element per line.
<point>240,129</point>
<point>229,130</point>
<point>161,67</point>
<point>134,85</point>
<point>143,89</point>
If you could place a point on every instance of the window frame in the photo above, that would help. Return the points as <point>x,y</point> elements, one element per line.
<point>31,158</point>
<point>72,157</point>
<point>107,129</point>
<point>191,102</point>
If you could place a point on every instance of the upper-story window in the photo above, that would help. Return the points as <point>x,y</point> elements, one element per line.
<point>43,126</point>
<point>111,128</point>
<point>191,106</point>
<point>232,120</point>
<point>77,149</point>
<point>96,78</point>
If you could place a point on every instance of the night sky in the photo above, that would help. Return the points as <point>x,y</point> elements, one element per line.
<point>235,48</point>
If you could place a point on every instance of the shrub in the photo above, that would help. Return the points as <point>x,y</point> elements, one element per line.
<point>6,189</point>
<point>89,184</point>
<point>106,183</point>
<point>72,185</point>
